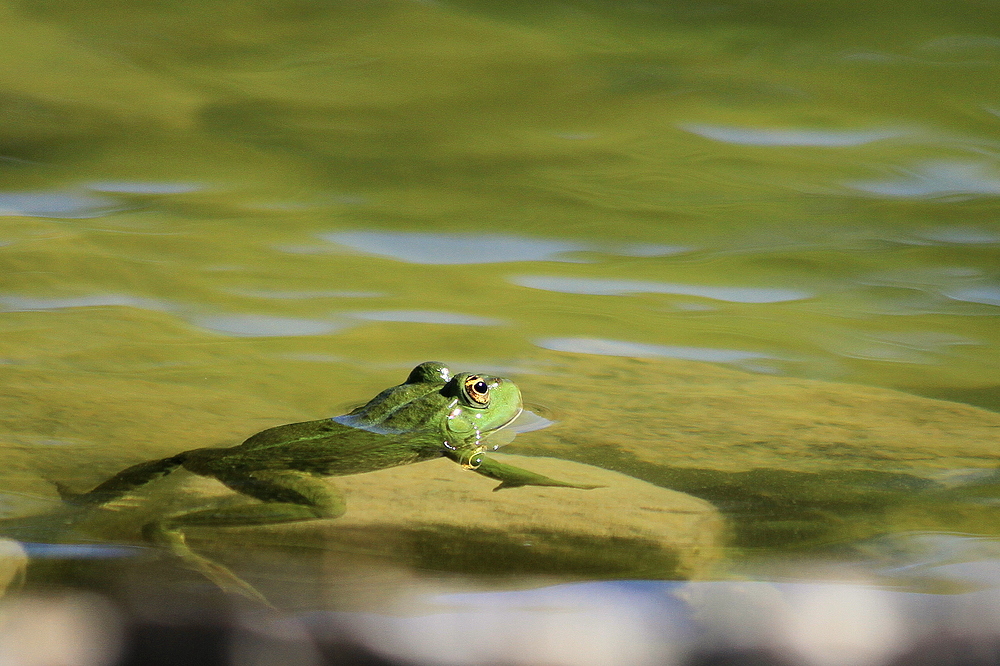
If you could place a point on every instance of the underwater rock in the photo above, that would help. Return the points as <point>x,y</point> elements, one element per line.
<point>437,516</point>
<point>685,414</point>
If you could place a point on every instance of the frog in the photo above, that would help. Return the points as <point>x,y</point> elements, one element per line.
<point>432,414</point>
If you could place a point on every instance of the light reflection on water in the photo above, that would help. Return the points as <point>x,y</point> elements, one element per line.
<point>422,248</point>
<point>794,137</point>
<point>256,325</point>
<point>81,203</point>
<point>936,179</point>
<point>263,326</point>
<point>423,317</point>
<point>66,205</point>
<point>642,350</point>
<point>986,294</point>
<point>960,235</point>
<point>135,187</point>
<point>27,303</point>
<point>618,287</point>
<point>304,294</point>
<point>443,249</point>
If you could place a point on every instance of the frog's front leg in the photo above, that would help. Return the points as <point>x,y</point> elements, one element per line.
<point>286,496</point>
<point>509,476</point>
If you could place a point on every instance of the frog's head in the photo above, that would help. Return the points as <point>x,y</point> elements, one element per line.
<point>464,409</point>
<point>479,405</point>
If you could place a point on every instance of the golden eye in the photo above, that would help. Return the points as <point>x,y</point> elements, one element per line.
<point>477,390</point>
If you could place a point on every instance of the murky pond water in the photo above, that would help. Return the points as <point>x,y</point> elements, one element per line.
<point>744,257</point>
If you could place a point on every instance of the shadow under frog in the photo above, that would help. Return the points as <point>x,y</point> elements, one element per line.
<point>430,415</point>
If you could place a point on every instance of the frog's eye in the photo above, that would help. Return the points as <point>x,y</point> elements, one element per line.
<point>477,390</point>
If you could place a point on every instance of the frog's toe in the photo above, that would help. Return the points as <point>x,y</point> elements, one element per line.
<point>227,581</point>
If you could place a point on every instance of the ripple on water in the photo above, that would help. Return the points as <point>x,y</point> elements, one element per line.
<point>433,248</point>
<point>56,204</point>
<point>985,294</point>
<point>264,326</point>
<point>652,250</point>
<point>914,347</point>
<point>28,303</point>
<point>746,136</point>
<point>957,235</point>
<point>307,357</point>
<point>619,287</point>
<point>606,347</point>
<point>424,317</point>
<point>938,178</point>
<point>304,294</point>
<point>246,325</point>
<point>441,248</point>
<point>956,283</point>
<point>139,187</point>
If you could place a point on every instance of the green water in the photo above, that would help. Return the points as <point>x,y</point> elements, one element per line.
<point>220,216</point>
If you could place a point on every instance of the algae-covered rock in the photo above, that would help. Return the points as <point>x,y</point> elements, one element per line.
<point>408,521</point>
<point>696,415</point>
<point>438,516</point>
<point>430,516</point>
<point>791,462</point>
<point>788,463</point>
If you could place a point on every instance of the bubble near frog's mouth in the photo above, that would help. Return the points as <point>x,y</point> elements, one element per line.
<point>528,421</point>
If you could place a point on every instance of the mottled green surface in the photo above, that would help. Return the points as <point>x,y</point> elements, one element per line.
<point>201,206</point>
<point>796,464</point>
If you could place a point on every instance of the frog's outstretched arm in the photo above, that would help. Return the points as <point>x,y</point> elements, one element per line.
<point>514,477</point>
<point>509,476</point>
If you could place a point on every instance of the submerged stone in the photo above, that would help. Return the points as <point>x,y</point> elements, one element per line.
<point>438,516</point>
<point>786,463</point>
<point>694,415</point>
<point>793,463</point>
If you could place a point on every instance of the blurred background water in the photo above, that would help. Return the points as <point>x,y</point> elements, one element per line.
<point>275,209</point>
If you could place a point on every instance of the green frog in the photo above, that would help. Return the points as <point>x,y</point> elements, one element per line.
<point>431,414</point>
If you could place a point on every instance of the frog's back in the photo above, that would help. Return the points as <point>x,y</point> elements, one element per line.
<point>293,435</point>
<point>402,424</point>
<point>327,448</point>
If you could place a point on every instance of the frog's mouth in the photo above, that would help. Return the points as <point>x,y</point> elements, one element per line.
<point>524,421</point>
<point>520,410</point>
<point>494,439</point>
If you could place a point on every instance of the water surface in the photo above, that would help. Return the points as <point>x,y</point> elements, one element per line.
<point>219,217</point>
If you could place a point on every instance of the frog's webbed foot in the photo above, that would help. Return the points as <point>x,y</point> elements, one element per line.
<point>508,475</point>
<point>173,540</point>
